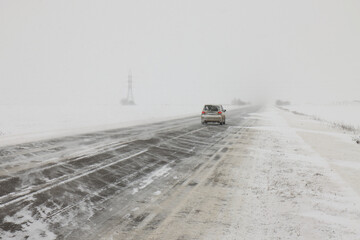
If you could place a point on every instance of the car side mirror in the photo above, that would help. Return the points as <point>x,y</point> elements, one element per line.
<point>224,110</point>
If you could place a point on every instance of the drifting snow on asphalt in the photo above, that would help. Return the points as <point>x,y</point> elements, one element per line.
<point>31,227</point>
<point>63,187</point>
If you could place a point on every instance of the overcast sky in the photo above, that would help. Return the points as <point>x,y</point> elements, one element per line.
<point>184,51</point>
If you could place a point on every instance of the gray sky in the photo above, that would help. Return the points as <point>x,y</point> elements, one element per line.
<point>179,51</point>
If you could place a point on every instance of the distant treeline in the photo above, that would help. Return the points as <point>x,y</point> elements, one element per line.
<point>282,103</point>
<point>237,101</point>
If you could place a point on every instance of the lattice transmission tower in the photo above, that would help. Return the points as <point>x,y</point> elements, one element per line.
<point>129,100</point>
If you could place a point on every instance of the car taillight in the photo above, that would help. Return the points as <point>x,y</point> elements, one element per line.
<point>219,112</point>
<point>202,112</point>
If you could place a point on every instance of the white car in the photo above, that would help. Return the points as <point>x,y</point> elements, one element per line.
<point>213,113</point>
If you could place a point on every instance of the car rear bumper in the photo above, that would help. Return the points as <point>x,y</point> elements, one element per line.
<point>211,118</point>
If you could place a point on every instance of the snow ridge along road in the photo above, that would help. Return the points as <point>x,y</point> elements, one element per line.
<point>61,188</point>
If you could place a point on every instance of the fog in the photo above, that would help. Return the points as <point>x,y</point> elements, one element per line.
<point>80,51</point>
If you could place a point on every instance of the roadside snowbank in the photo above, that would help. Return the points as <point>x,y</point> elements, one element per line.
<point>297,190</point>
<point>346,114</point>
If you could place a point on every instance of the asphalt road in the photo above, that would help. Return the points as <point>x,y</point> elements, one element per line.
<point>84,186</point>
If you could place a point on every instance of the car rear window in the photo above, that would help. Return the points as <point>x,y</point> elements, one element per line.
<point>211,108</point>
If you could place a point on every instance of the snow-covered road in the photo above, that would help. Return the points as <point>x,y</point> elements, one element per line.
<point>267,174</point>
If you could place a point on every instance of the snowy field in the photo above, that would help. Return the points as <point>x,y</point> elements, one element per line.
<point>345,113</point>
<point>27,123</point>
